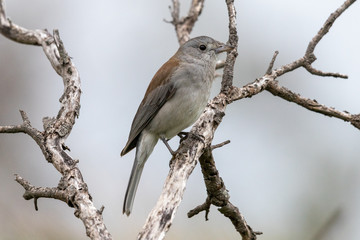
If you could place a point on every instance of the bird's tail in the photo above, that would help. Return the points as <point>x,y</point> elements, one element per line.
<point>145,145</point>
<point>132,187</point>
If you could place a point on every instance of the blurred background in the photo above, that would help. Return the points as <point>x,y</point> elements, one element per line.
<point>287,169</point>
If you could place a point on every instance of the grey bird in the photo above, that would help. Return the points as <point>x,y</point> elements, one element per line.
<point>174,100</point>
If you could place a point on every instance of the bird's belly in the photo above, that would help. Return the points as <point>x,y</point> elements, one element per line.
<point>179,112</point>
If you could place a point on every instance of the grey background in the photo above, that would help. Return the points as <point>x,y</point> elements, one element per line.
<point>287,169</point>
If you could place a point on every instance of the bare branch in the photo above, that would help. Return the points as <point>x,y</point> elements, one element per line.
<point>261,84</point>
<point>183,26</point>
<point>25,127</point>
<point>271,65</point>
<point>315,71</point>
<point>32,192</point>
<point>203,207</point>
<point>220,145</point>
<point>327,25</point>
<point>74,190</point>
<point>228,75</point>
<point>218,196</point>
<point>310,104</point>
<point>15,32</point>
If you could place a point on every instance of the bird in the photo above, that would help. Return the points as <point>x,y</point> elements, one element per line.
<point>174,100</point>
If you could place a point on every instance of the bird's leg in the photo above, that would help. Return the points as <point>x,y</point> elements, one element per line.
<point>165,141</point>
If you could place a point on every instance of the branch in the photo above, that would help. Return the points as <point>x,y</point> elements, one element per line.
<point>32,192</point>
<point>15,32</point>
<point>312,105</point>
<point>73,190</point>
<point>25,127</point>
<point>183,26</point>
<point>228,74</point>
<point>271,75</point>
<point>218,196</point>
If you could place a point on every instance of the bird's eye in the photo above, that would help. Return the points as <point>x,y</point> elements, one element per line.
<point>202,47</point>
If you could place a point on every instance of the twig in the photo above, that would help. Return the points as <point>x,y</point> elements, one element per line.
<point>271,65</point>
<point>25,127</point>
<point>220,144</point>
<point>32,192</point>
<point>311,105</point>
<point>317,72</point>
<point>203,207</point>
<point>327,25</point>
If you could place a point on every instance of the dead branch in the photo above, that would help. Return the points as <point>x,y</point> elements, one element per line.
<point>311,104</point>
<point>184,25</point>
<point>218,196</point>
<point>72,188</point>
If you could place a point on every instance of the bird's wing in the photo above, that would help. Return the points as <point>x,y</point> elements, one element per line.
<point>159,91</point>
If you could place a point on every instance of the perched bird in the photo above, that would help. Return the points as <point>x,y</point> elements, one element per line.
<point>174,99</point>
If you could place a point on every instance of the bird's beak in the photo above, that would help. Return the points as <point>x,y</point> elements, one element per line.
<point>223,48</point>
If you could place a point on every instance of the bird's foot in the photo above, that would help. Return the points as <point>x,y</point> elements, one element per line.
<point>183,135</point>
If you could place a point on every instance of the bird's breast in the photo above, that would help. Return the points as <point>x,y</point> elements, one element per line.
<point>193,85</point>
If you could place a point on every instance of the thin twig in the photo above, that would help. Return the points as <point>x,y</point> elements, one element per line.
<point>310,104</point>
<point>220,144</point>
<point>271,65</point>
<point>203,207</point>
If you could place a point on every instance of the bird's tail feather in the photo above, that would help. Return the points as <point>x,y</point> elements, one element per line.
<point>144,148</point>
<point>132,187</point>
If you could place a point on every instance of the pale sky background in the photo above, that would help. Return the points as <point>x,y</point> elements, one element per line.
<point>287,169</point>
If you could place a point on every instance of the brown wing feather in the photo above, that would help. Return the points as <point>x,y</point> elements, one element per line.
<point>158,92</point>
